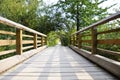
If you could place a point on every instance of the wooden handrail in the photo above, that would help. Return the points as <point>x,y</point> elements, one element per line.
<point>19,37</point>
<point>19,26</point>
<point>94,35</point>
<point>105,20</point>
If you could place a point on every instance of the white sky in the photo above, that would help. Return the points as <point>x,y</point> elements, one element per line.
<point>105,4</point>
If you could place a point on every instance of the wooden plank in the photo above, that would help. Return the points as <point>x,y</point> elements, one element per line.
<point>74,40</point>
<point>28,47</point>
<point>108,64</point>
<point>39,41</point>
<point>86,41</point>
<point>19,41</point>
<point>104,51</point>
<point>109,31</point>
<point>45,40</point>
<point>27,36</point>
<point>42,43</point>
<point>11,62</point>
<point>39,38</point>
<point>18,26</point>
<point>7,32</point>
<point>35,41</point>
<point>79,40</point>
<point>7,42</point>
<point>109,41</point>
<point>58,63</point>
<point>109,52</point>
<point>7,52</point>
<point>28,41</point>
<point>94,40</point>
<point>39,45</point>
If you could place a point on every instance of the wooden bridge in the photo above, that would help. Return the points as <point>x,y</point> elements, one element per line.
<point>40,62</point>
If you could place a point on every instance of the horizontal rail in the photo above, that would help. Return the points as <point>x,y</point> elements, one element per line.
<point>28,47</point>
<point>109,41</point>
<point>7,32</point>
<point>7,52</point>
<point>7,42</point>
<point>20,38</point>
<point>105,51</point>
<point>94,37</point>
<point>27,41</point>
<point>112,17</point>
<point>109,31</point>
<point>27,36</point>
<point>19,26</point>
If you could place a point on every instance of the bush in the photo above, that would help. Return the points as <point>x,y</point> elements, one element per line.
<point>65,40</point>
<point>52,39</point>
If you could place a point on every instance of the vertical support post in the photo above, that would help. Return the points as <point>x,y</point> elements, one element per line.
<point>35,41</point>
<point>80,40</point>
<point>77,40</point>
<point>73,40</point>
<point>19,41</point>
<point>94,40</point>
<point>42,41</point>
<point>45,40</point>
<point>70,40</point>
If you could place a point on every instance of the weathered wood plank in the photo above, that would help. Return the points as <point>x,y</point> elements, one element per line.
<point>42,39</point>
<point>24,35</point>
<point>57,63</point>
<point>104,51</point>
<point>27,42</point>
<point>94,40</point>
<point>109,31</point>
<point>28,47</point>
<point>7,32</point>
<point>35,41</point>
<point>19,41</point>
<point>109,41</point>
<point>80,40</point>
<point>18,26</point>
<point>7,52</point>
<point>7,42</point>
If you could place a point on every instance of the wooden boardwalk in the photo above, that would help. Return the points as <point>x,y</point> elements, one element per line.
<point>57,63</point>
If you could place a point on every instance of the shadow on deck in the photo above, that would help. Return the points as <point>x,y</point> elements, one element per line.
<point>57,63</point>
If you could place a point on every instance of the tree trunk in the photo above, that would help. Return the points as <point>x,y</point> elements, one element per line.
<point>77,18</point>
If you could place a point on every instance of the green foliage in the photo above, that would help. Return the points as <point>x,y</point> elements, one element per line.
<point>21,11</point>
<point>52,38</point>
<point>85,10</point>
<point>65,41</point>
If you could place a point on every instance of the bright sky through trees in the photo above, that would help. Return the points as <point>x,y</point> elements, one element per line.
<point>105,4</point>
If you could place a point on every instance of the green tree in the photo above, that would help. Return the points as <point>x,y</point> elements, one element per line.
<point>21,11</point>
<point>82,12</point>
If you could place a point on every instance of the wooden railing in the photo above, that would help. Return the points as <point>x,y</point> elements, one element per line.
<point>93,33</point>
<point>21,37</point>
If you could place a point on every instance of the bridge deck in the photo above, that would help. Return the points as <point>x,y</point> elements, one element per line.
<point>57,63</point>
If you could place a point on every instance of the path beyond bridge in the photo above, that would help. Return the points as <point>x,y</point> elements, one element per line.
<point>57,63</point>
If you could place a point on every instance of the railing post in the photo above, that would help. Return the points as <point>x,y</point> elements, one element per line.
<point>35,41</point>
<point>70,40</point>
<point>80,40</point>
<point>94,40</point>
<point>73,40</point>
<point>45,40</point>
<point>42,41</point>
<point>19,41</point>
